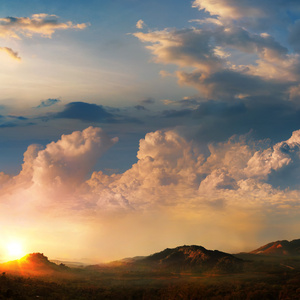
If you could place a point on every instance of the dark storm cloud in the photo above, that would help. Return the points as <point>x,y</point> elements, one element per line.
<point>7,125</point>
<point>7,121</point>
<point>92,113</point>
<point>81,111</point>
<point>227,84</point>
<point>294,36</point>
<point>173,113</point>
<point>85,112</point>
<point>213,108</point>
<point>18,118</point>
<point>266,117</point>
<point>244,40</point>
<point>48,102</point>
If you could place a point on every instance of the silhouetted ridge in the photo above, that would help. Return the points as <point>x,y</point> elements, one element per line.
<point>193,257</point>
<point>37,258</point>
<point>33,264</point>
<point>283,247</point>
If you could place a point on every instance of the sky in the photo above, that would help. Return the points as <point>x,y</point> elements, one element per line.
<point>130,126</point>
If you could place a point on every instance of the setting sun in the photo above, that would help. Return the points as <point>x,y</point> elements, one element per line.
<point>14,250</point>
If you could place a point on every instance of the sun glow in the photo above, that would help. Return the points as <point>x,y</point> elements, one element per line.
<point>14,250</point>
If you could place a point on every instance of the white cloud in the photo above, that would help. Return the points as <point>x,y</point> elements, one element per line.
<point>38,24</point>
<point>206,58</point>
<point>272,159</point>
<point>228,53</point>
<point>62,167</point>
<point>11,53</point>
<point>171,171</point>
<point>185,48</point>
<point>41,24</point>
<point>140,24</point>
<point>234,9</point>
<point>173,184</point>
<point>255,12</point>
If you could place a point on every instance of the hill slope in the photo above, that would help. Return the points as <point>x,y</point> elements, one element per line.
<point>193,258</point>
<point>34,264</point>
<point>281,248</point>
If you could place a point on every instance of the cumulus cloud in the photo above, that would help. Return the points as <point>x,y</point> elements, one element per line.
<point>170,165</point>
<point>215,75</point>
<point>187,47</point>
<point>44,25</point>
<point>173,179</point>
<point>234,189</point>
<point>230,84</point>
<point>251,12</point>
<point>224,56</point>
<point>41,24</point>
<point>70,159</point>
<point>164,159</point>
<point>11,53</point>
<point>229,9</point>
<point>63,165</point>
<point>140,24</point>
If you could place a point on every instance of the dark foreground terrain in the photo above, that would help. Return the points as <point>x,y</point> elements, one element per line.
<point>187,272</point>
<point>262,286</point>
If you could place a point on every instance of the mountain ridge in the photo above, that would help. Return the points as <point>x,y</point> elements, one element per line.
<point>181,258</point>
<point>192,258</point>
<point>279,248</point>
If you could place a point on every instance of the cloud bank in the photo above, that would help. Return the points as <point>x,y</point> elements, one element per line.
<point>232,189</point>
<point>229,54</point>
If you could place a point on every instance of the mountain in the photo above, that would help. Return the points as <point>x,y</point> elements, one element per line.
<point>280,248</point>
<point>34,264</point>
<point>180,259</point>
<point>70,264</point>
<point>192,258</point>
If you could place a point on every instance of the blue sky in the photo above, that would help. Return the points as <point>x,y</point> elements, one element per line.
<point>198,105</point>
<point>110,65</point>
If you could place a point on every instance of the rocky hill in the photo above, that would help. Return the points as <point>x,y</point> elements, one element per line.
<point>193,258</point>
<point>34,264</point>
<point>280,248</point>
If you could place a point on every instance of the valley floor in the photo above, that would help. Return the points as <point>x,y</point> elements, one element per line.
<point>244,286</point>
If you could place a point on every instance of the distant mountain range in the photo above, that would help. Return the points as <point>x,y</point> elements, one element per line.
<point>280,248</point>
<point>192,258</point>
<point>180,259</point>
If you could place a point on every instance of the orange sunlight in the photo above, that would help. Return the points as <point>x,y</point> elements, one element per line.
<point>14,250</point>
